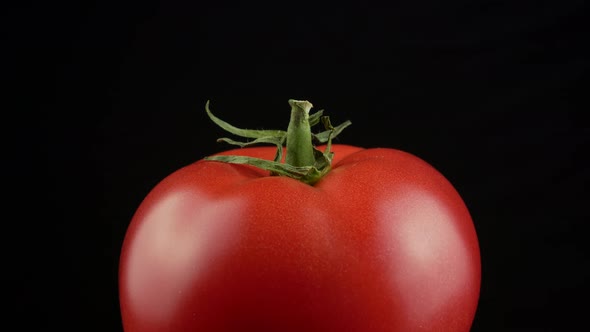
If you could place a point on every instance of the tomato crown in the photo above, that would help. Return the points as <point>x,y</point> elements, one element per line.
<point>303,161</point>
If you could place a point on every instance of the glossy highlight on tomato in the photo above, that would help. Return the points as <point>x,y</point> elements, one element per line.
<point>382,242</point>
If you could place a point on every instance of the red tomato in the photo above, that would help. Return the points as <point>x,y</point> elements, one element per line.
<point>383,242</point>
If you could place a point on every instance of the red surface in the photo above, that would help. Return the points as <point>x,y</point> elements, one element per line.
<point>382,243</point>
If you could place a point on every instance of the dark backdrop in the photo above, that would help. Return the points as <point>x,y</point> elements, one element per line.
<point>113,93</point>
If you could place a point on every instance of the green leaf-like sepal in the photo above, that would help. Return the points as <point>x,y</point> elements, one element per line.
<point>314,118</point>
<point>278,141</point>
<point>248,133</point>
<point>324,136</point>
<point>306,174</point>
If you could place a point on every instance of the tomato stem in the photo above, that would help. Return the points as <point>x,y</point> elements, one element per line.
<point>299,145</point>
<point>303,162</point>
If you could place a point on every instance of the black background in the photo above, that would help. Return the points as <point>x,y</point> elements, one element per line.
<point>110,99</point>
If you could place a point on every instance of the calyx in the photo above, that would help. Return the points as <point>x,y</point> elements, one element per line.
<point>303,161</point>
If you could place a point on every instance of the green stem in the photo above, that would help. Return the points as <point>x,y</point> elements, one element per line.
<point>299,145</point>
<point>303,162</point>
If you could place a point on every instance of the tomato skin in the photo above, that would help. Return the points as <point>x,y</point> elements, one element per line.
<point>382,243</point>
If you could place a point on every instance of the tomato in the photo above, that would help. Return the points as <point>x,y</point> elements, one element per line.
<point>382,242</point>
